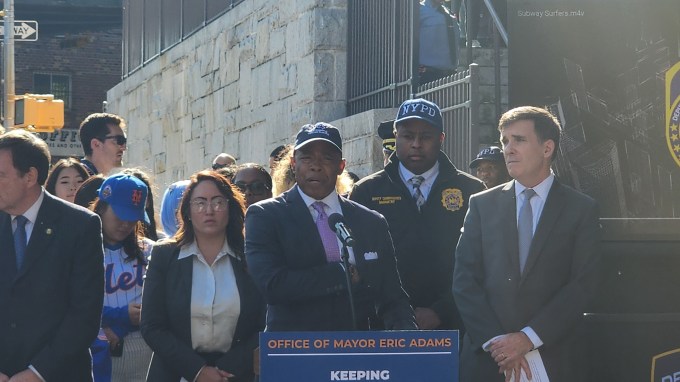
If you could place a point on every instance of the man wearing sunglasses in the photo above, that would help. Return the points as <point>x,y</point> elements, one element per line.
<point>104,142</point>
<point>254,182</point>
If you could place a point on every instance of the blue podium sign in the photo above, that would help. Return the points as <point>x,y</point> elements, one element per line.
<point>396,356</point>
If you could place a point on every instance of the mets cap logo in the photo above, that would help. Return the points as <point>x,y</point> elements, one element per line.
<point>137,196</point>
<point>106,192</point>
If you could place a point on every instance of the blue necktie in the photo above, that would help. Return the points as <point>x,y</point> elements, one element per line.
<point>20,240</point>
<point>525,227</point>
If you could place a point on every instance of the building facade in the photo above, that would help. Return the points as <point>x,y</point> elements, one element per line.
<point>76,57</point>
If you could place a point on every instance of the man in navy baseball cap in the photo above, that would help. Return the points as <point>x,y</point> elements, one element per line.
<point>423,110</point>
<point>321,131</point>
<point>126,195</point>
<point>490,167</point>
<point>426,221</point>
<point>292,236</point>
<point>386,133</point>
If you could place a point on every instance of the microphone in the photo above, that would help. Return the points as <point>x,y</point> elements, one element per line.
<point>337,224</point>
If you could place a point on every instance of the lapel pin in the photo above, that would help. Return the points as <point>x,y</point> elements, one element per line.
<point>48,231</point>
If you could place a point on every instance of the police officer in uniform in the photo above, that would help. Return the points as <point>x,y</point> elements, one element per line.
<point>424,199</point>
<point>489,167</point>
<point>386,133</point>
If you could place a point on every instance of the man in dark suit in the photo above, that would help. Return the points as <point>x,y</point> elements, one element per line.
<point>424,198</point>
<point>51,271</point>
<point>294,257</point>
<point>525,270</point>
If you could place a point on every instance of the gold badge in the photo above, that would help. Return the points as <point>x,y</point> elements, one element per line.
<point>452,199</point>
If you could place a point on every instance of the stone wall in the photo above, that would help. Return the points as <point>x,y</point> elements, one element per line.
<point>243,84</point>
<point>361,145</point>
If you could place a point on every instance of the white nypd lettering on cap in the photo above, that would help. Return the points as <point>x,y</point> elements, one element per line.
<point>319,130</point>
<point>428,110</point>
<point>360,375</point>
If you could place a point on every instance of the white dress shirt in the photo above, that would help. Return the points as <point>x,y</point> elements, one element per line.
<point>215,302</point>
<point>537,203</point>
<point>332,207</point>
<point>429,177</point>
<point>31,216</point>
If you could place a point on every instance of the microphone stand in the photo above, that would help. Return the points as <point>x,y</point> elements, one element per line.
<point>348,279</point>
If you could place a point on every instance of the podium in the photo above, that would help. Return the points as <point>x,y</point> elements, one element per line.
<point>397,356</point>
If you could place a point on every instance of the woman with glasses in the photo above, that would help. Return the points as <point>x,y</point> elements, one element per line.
<point>201,310</point>
<point>254,182</point>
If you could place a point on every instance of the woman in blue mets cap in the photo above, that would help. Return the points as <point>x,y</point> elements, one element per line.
<point>120,204</point>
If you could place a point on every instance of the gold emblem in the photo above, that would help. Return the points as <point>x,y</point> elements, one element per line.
<point>673,112</point>
<point>48,231</point>
<point>452,199</point>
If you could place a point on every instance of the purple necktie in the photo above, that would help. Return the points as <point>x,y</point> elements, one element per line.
<point>330,242</point>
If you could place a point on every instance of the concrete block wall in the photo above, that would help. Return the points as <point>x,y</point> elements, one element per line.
<point>361,145</point>
<point>243,84</point>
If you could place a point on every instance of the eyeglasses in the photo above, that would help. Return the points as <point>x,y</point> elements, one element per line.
<point>120,139</point>
<point>217,166</point>
<point>200,205</point>
<point>256,188</point>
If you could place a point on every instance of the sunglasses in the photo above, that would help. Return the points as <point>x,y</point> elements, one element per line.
<point>217,166</point>
<point>120,139</point>
<point>256,188</point>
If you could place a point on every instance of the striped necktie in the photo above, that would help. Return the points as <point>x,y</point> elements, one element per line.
<point>416,181</point>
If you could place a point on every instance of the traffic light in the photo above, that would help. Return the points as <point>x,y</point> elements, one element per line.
<point>40,113</point>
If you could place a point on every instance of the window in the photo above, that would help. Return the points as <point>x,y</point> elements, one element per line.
<point>57,84</point>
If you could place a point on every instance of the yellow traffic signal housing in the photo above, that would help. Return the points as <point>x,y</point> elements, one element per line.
<point>40,113</point>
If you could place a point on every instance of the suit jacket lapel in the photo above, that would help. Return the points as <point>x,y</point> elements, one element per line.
<point>508,212</point>
<point>245,297</point>
<point>301,217</point>
<point>348,213</point>
<point>551,211</point>
<point>44,232</point>
<point>182,281</point>
<point>8,263</point>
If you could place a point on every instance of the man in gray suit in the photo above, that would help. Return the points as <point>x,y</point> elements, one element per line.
<point>525,272</point>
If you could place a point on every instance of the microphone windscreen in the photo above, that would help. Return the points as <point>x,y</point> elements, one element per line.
<point>335,219</point>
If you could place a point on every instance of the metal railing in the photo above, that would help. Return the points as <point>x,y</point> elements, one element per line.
<point>457,97</point>
<point>381,49</point>
<point>379,59</point>
<point>499,33</point>
<point>150,27</point>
